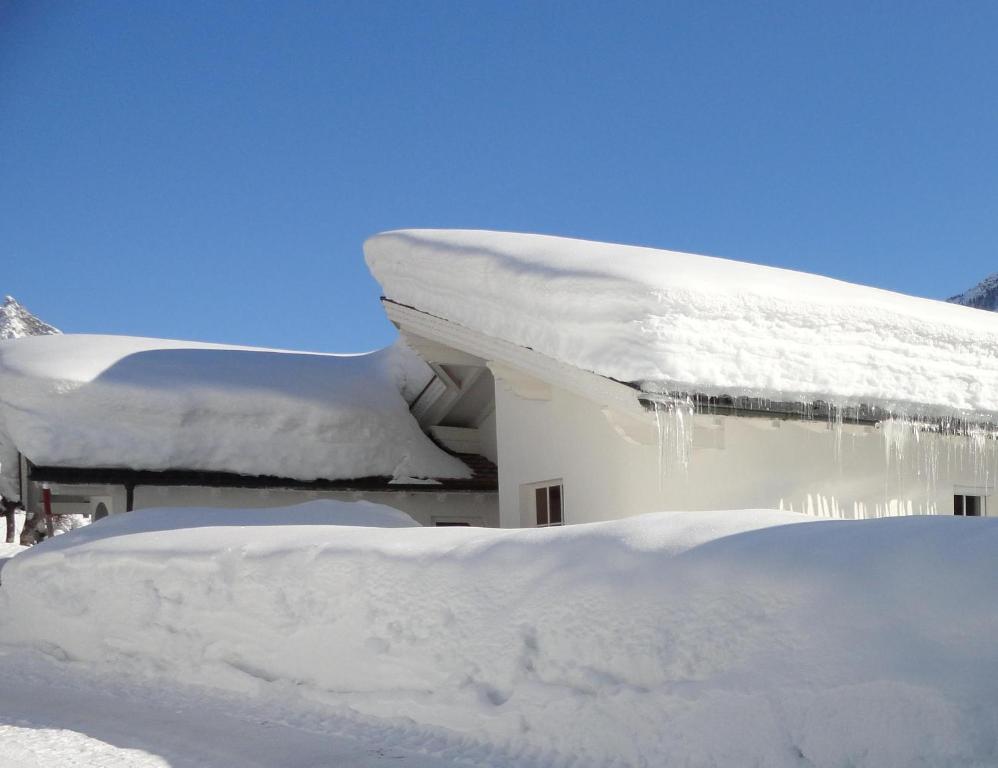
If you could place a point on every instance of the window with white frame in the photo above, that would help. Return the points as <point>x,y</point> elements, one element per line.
<point>968,506</point>
<point>548,509</point>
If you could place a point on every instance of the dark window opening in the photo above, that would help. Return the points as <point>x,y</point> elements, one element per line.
<point>554,493</point>
<point>547,503</point>
<point>968,506</point>
<point>541,505</point>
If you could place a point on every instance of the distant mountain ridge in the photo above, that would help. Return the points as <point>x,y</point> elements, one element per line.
<point>984,295</point>
<point>16,322</point>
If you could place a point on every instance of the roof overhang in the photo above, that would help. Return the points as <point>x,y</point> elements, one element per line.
<point>517,365</point>
<point>625,404</point>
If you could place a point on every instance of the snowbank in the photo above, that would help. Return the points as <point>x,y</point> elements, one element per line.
<point>235,525</point>
<point>708,639</point>
<point>679,322</point>
<point>114,401</point>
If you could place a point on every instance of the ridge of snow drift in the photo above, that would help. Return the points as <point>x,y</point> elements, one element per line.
<point>154,404</point>
<point>16,321</point>
<point>703,638</point>
<point>679,322</point>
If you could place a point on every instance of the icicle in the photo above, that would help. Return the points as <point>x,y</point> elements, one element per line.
<point>942,447</point>
<point>660,428</point>
<point>837,430</point>
<point>674,420</point>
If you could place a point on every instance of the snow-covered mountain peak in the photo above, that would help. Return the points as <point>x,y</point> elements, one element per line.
<point>984,295</point>
<point>17,322</point>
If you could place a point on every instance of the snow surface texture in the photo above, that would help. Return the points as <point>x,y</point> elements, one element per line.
<point>706,638</point>
<point>55,715</point>
<point>116,401</point>
<point>984,295</point>
<point>678,322</point>
<point>16,322</point>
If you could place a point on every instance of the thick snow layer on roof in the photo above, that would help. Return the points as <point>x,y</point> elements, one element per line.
<point>680,322</point>
<point>151,404</point>
<point>702,638</point>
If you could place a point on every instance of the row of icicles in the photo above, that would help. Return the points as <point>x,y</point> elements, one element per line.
<point>907,440</point>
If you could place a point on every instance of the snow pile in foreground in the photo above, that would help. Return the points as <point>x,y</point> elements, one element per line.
<point>714,639</point>
<point>114,401</point>
<point>247,525</point>
<point>56,715</point>
<point>681,322</point>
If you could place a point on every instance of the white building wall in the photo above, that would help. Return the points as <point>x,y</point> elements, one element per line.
<point>425,507</point>
<point>487,437</point>
<point>737,463</point>
<point>114,497</point>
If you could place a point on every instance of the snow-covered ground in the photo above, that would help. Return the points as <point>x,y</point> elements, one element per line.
<point>58,715</point>
<point>701,638</point>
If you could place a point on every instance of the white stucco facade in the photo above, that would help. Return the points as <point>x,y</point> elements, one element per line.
<point>556,425</point>
<point>557,436</point>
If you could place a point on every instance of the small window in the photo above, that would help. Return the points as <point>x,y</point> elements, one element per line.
<point>456,521</point>
<point>547,505</point>
<point>968,506</point>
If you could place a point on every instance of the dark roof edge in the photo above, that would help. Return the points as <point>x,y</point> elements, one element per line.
<point>813,410</point>
<point>481,482</point>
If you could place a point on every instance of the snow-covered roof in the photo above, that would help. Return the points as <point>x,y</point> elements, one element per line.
<point>678,322</point>
<point>151,404</point>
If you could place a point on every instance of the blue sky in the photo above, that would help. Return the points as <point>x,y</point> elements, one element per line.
<point>210,170</point>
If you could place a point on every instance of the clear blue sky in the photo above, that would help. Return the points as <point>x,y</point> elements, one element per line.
<point>209,170</point>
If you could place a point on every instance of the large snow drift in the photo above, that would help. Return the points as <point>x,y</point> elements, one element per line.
<point>679,322</point>
<point>707,639</point>
<point>152,404</point>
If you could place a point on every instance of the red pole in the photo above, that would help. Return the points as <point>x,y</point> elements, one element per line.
<point>47,502</point>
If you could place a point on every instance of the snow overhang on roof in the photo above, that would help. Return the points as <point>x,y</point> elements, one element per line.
<point>670,322</point>
<point>151,404</point>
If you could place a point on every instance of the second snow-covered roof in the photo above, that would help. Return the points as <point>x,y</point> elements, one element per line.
<point>153,404</point>
<point>680,322</point>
